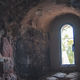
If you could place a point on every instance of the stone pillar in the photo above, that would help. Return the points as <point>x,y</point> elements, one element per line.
<point>7,48</point>
<point>8,66</point>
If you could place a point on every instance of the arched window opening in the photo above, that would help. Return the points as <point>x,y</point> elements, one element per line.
<point>67,45</point>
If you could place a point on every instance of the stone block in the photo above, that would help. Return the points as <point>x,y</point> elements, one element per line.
<point>60,75</point>
<point>51,78</point>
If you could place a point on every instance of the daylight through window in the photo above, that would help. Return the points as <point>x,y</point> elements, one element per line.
<point>67,45</point>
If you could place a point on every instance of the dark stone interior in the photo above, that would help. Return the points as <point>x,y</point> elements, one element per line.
<point>29,37</point>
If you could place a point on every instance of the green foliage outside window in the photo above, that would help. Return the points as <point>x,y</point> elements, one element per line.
<point>67,42</point>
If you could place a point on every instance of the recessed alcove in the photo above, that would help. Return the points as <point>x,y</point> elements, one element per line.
<point>56,34</point>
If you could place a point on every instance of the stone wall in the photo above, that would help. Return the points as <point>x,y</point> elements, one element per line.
<point>31,56</point>
<point>27,29</point>
<point>39,19</point>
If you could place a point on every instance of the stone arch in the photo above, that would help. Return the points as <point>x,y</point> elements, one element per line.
<point>41,16</point>
<point>54,31</point>
<point>68,15</point>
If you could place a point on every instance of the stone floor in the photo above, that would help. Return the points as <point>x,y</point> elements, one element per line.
<point>56,76</point>
<point>63,76</point>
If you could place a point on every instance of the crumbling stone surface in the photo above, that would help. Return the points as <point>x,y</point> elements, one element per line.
<point>31,56</point>
<point>40,16</point>
<point>39,19</point>
<point>7,48</point>
<point>52,78</point>
<point>63,76</point>
<point>60,75</point>
<point>27,32</point>
<point>15,9</point>
<point>74,75</point>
